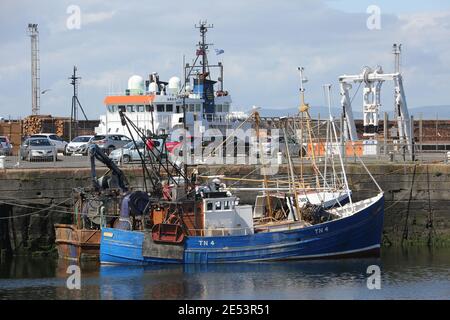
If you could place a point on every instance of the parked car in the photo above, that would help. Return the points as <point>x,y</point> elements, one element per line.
<point>37,148</point>
<point>129,152</point>
<point>109,142</point>
<point>59,143</point>
<point>6,146</point>
<point>79,145</point>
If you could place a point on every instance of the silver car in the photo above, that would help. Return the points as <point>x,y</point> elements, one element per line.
<point>37,148</point>
<point>54,139</point>
<point>109,142</point>
<point>129,152</point>
<point>79,145</point>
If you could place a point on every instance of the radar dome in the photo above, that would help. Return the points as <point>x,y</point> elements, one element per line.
<point>136,84</point>
<point>174,85</point>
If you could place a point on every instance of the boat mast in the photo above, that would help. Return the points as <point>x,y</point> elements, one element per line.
<point>328,91</point>
<point>292,176</point>
<point>304,108</point>
<point>203,47</point>
<point>261,155</point>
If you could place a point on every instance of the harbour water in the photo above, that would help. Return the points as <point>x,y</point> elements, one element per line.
<point>413,273</point>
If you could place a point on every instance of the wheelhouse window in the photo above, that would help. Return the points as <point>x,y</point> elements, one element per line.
<point>218,205</point>
<point>148,108</point>
<point>160,107</point>
<point>198,108</point>
<point>219,108</point>
<point>140,108</point>
<point>226,205</point>
<point>122,108</point>
<point>226,107</point>
<point>209,206</point>
<point>169,107</point>
<point>130,108</point>
<point>191,108</point>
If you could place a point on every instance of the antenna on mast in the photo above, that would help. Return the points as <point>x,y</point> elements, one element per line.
<point>303,107</point>
<point>203,46</point>
<point>397,50</point>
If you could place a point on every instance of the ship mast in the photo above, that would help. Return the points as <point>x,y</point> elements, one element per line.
<point>263,167</point>
<point>304,108</point>
<point>203,47</point>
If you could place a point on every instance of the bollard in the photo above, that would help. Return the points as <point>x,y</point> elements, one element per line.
<point>2,162</point>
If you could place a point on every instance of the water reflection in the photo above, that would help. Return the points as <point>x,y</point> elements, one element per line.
<point>411,274</point>
<point>228,280</point>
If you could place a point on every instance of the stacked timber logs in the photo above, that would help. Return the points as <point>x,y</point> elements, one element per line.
<point>44,123</point>
<point>59,125</point>
<point>31,125</point>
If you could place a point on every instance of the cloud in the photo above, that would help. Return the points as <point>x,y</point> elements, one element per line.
<point>264,42</point>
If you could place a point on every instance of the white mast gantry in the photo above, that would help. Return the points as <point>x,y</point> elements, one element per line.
<point>372,79</point>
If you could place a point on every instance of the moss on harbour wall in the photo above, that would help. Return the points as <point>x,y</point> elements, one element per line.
<point>417,200</point>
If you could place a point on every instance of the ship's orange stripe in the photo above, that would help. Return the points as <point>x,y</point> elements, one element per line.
<point>129,99</point>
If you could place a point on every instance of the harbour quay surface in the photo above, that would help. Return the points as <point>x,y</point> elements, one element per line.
<point>416,207</point>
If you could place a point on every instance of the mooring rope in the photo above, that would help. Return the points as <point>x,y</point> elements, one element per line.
<point>35,212</point>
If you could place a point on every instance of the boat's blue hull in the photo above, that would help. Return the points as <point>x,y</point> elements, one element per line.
<point>356,235</point>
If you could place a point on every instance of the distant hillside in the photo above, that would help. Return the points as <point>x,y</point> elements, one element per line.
<point>314,111</point>
<point>430,112</point>
<point>427,112</point>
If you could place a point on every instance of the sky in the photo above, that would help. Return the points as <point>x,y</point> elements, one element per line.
<point>264,43</point>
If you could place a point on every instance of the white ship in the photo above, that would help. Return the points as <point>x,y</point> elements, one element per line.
<point>162,107</point>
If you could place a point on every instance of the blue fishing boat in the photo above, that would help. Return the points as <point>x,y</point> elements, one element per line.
<point>355,231</point>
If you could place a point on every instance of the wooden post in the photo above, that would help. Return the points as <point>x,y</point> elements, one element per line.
<point>411,135</point>
<point>385,132</point>
<point>436,133</point>
<point>420,132</point>
<point>318,128</point>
